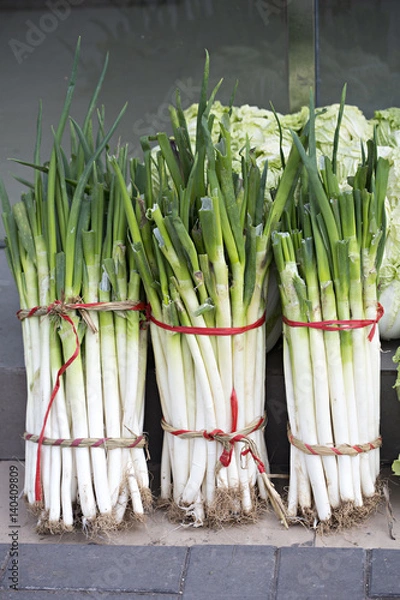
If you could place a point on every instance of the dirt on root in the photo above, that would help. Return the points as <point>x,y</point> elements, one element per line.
<point>344,517</point>
<point>226,508</point>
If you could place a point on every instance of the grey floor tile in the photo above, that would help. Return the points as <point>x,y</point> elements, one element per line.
<point>229,572</point>
<point>385,573</point>
<point>103,568</point>
<point>4,548</point>
<point>321,574</point>
<point>84,595</point>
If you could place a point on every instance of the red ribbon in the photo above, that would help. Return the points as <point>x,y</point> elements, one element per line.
<point>63,368</point>
<point>219,331</point>
<point>341,324</point>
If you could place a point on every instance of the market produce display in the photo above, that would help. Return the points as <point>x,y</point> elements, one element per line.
<point>85,353</point>
<point>240,226</point>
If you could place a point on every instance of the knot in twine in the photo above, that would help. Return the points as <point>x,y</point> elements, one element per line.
<point>61,309</point>
<point>228,440</point>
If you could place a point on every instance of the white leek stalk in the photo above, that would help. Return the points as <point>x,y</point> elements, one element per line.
<point>328,257</point>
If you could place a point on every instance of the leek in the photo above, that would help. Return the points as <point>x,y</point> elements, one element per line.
<point>201,240</point>
<point>67,241</point>
<point>328,254</point>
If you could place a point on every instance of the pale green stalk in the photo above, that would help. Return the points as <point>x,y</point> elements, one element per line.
<point>176,385</point>
<point>205,418</point>
<point>31,338</point>
<point>335,370</point>
<point>346,342</point>
<point>297,338</point>
<point>360,350</point>
<point>212,237</point>
<point>121,293</point>
<point>373,351</point>
<point>24,272</point>
<point>299,493</point>
<point>111,395</point>
<point>45,377</point>
<point>166,404</point>
<point>320,371</point>
<point>75,390</point>
<point>93,376</point>
<point>61,421</point>
<point>135,382</point>
<point>189,298</point>
<point>28,294</point>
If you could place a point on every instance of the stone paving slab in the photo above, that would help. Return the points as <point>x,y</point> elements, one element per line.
<point>231,572</point>
<point>321,574</point>
<point>100,568</point>
<point>4,548</point>
<point>384,574</point>
<point>67,595</point>
<point>234,572</point>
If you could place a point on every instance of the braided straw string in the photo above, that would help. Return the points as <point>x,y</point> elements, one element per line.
<point>340,450</point>
<point>58,307</point>
<point>61,309</point>
<point>138,441</point>
<point>226,439</point>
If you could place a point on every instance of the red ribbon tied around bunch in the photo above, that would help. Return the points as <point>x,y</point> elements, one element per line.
<point>340,324</point>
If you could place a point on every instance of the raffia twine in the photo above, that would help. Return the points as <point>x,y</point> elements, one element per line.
<point>226,439</point>
<point>107,443</point>
<point>60,308</point>
<point>340,450</point>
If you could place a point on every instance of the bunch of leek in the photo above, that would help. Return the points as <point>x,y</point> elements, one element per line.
<point>328,252</point>
<point>201,238</point>
<point>66,241</point>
